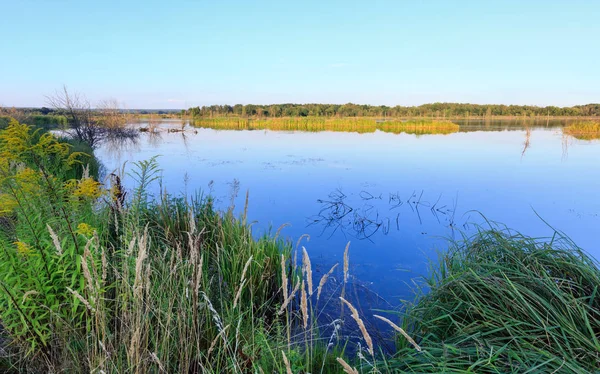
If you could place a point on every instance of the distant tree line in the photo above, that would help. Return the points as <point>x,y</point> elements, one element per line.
<point>444,110</point>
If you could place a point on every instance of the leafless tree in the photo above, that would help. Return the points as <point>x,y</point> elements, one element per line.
<point>89,125</point>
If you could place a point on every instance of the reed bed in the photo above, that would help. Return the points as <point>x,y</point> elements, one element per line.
<point>417,127</point>
<point>317,124</point>
<point>587,130</point>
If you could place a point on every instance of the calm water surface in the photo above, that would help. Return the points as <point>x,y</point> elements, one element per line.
<point>395,197</point>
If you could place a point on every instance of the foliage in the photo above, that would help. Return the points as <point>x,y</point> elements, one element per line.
<point>435,110</point>
<point>36,266</point>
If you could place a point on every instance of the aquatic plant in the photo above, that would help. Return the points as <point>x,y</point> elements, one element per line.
<point>587,130</point>
<point>316,124</point>
<point>419,127</point>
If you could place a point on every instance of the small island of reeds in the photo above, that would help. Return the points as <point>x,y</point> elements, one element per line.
<point>317,124</point>
<point>586,130</point>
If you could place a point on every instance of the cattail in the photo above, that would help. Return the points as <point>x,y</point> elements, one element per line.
<point>307,270</point>
<point>288,368</point>
<point>55,240</point>
<point>347,368</point>
<point>324,280</point>
<point>304,305</point>
<point>401,331</point>
<point>346,262</point>
<point>284,280</point>
<point>361,326</point>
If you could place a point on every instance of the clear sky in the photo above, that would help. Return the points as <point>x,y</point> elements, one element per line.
<point>176,54</point>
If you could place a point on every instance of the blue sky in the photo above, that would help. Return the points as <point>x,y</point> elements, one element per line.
<point>176,54</point>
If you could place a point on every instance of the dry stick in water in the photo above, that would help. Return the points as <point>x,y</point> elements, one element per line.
<point>401,331</point>
<point>308,270</point>
<point>361,326</point>
<point>324,280</point>
<point>347,368</point>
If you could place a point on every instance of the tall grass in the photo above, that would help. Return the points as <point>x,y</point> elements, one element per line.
<point>502,302</point>
<point>419,127</point>
<point>587,130</point>
<point>317,124</point>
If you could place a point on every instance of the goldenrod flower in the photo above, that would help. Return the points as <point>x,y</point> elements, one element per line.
<point>88,188</point>
<point>23,248</point>
<point>85,229</point>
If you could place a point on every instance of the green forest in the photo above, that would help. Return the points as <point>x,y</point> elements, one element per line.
<point>445,110</point>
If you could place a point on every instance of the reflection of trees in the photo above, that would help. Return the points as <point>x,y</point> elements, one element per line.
<point>117,146</point>
<point>372,215</point>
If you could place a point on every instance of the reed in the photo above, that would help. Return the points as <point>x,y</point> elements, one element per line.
<point>586,130</point>
<point>318,124</point>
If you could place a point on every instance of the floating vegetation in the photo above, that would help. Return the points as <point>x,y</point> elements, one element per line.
<point>316,124</point>
<point>586,130</point>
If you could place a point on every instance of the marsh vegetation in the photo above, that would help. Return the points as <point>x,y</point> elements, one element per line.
<point>108,278</point>
<point>586,130</point>
<point>316,124</point>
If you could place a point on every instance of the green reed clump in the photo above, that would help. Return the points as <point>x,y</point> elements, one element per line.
<point>502,302</point>
<point>308,124</point>
<point>317,124</point>
<point>587,130</point>
<point>419,127</point>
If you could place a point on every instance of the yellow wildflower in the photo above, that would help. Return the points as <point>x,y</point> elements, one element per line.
<point>85,229</point>
<point>23,248</point>
<point>88,188</point>
<point>7,204</point>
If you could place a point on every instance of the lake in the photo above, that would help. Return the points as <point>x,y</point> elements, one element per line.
<point>396,197</point>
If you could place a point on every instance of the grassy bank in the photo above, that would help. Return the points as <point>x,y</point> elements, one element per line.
<point>316,124</point>
<point>96,278</point>
<point>586,130</point>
